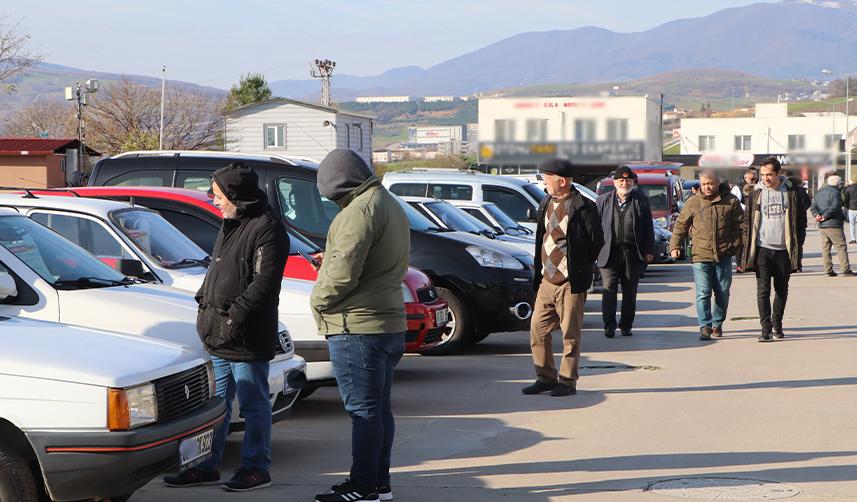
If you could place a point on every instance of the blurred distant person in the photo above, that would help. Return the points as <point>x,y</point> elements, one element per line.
<point>827,209</point>
<point>629,242</point>
<point>713,221</point>
<point>771,228</point>
<point>849,202</point>
<point>750,178</point>
<point>805,202</point>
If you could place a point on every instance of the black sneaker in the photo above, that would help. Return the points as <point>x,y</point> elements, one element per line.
<point>627,333</point>
<point>192,477</point>
<point>609,333</point>
<point>385,493</point>
<point>538,387</point>
<point>778,334</point>
<point>562,390</point>
<point>765,337</point>
<point>347,492</point>
<point>831,273</point>
<point>245,480</point>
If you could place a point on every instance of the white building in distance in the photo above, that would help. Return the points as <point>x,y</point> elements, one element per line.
<point>383,99</point>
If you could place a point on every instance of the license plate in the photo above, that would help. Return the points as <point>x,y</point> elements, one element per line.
<point>193,450</point>
<point>441,317</point>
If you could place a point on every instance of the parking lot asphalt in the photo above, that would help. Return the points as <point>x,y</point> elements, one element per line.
<point>741,420</point>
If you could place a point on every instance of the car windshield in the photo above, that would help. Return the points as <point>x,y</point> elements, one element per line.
<point>55,259</point>
<point>156,237</point>
<point>657,195</point>
<point>502,218</point>
<point>455,218</point>
<point>416,220</point>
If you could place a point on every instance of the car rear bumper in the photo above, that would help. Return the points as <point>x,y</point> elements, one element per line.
<point>424,332</point>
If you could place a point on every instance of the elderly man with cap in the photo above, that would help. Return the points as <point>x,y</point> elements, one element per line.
<point>237,322</point>
<point>629,241</point>
<point>568,239</point>
<point>827,210</point>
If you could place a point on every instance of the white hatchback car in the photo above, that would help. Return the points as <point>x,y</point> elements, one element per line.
<point>55,280</point>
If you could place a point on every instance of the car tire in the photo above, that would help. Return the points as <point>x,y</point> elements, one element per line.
<point>16,479</point>
<point>461,317</point>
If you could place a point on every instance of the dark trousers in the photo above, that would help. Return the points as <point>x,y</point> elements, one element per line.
<point>623,268</point>
<point>776,266</point>
<point>363,366</point>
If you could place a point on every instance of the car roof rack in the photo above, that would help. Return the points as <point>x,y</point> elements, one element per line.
<point>283,159</point>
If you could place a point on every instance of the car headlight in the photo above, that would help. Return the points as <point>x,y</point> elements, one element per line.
<point>406,294</point>
<point>131,407</point>
<point>661,222</point>
<point>494,259</point>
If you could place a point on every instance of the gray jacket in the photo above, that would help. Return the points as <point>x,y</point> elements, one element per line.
<point>828,203</point>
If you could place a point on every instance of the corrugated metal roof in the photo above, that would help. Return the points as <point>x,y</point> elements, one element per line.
<point>298,103</point>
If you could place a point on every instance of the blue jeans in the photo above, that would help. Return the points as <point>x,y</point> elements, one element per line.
<point>712,278</point>
<point>249,381</point>
<point>363,366</point>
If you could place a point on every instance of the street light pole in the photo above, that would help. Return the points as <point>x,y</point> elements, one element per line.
<point>847,132</point>
<point>163,88</point>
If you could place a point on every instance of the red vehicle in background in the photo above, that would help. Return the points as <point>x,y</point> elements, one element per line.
<point>192,212</point>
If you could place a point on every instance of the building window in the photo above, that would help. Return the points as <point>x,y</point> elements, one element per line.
<point>706,143</point>
<point>537,129</point>
<point>584,130</point>
<point>504,130</point>
<point>359,128</point>
<point>275,135</point>
<point>832,141</point>
<point>617,129</point>
<point>797,142</point>
<point>743,144</point>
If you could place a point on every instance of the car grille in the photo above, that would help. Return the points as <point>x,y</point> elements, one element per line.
<point>433,335</point>
<point>427,295</point>
<point>182,393</point>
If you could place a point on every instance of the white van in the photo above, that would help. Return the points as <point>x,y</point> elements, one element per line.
<point>97,414</point>
<point>55,280</point>
<point>516,197</point>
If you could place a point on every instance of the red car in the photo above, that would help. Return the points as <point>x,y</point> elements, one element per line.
<point>192,212</point>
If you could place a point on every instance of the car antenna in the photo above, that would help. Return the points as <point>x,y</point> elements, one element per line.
<point>29,194</point>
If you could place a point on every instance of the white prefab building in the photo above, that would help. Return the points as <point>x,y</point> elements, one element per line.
<point>283,126</point>
<point>434,135</point>
<point>517,134</point>
<point>383,99</point>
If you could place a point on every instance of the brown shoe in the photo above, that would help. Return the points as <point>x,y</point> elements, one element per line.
<point>705,333</point>
<point>716,332</point>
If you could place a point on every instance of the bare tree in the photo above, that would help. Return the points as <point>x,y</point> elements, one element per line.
<point>15,58</point>
<point>52,119</point>
<point>125,115</point>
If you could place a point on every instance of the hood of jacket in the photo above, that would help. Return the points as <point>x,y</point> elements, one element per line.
<point>341,172</point>
<point>240,184</point>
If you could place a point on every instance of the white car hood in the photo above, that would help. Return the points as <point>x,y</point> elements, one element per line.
<point>188,279</point>
<point>139,309</point>
<point>39,349</point>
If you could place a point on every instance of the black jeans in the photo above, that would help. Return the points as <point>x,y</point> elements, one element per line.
<point>774,265</point>
<point>622,268</point>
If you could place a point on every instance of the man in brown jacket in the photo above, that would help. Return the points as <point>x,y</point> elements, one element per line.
<point>713,219</point>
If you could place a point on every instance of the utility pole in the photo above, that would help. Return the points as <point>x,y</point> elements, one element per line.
<point>79,94</point>
<point>847,132</point>
<point>163,90</point>
<point>323,69</point>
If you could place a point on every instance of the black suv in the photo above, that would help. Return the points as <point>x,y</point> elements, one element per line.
<point>487,284</point>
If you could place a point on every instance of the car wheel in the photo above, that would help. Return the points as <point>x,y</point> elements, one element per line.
<point>460,327</point>
<point>16,478</point>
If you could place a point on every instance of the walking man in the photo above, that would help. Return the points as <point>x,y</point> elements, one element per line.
<point>629,241</point>
<point>568,239</point>
<point>750,178</point>
<point>237,322</point>
<point>827,209</point>
<point>771,229</point>
<point>713,220</point>
<point>849,202</point>
<point>358,306</point>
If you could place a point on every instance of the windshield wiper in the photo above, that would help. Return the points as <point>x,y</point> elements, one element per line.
<point>190,262</point>
<point>84,282</point>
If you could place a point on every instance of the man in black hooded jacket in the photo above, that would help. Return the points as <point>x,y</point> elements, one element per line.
<point>237,322</point>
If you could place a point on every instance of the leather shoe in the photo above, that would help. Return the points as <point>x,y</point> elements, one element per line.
<point>609,333</point>
<point>539,387</point>
<point>563,390</point>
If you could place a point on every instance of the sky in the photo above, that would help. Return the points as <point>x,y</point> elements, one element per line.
<point>215,42</point>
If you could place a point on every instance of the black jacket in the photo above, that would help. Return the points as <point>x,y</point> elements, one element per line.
<point>849,197</point>
<point>584,240</point>
<point>641,216</point>
<point>238,300</point>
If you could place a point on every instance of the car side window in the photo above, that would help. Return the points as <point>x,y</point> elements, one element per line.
<point>512,203</point>
<point>409,189</point>
<point>194,180</point>
<point>86,233</point>
<point>201,232</point>
<point>450,192</point>
<point>479,215</point>
<point>143,179</point>
<point>303,207</point>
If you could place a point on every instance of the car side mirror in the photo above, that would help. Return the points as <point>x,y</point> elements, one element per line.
<point>131,268</point>
<point>532,214</point>
<point>7,286</point>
